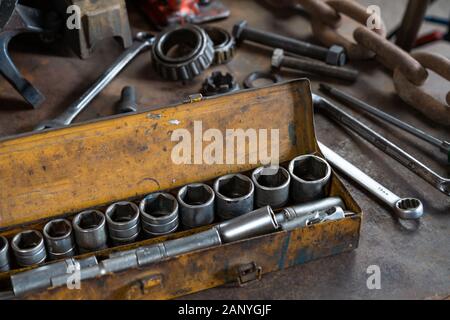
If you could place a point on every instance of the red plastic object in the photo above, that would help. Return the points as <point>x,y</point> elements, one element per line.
<point>428,38</point>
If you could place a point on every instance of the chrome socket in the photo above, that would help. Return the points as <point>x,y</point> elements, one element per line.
<point>90,231</point>
<point>123,223</point>
<point>58,237</point>
<point>234,194</point>
<point>271,189</point>
<point>310,176</point>
<point>4,254</point>
<point>196,202</point>
<point>29,248</point>
<point>159,214</point>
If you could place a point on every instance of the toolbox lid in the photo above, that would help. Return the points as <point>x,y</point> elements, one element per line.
<point>63,171</point>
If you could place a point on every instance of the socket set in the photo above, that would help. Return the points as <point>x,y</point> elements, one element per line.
<point>305,179</point>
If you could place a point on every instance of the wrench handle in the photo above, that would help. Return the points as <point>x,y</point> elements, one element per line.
<point>125,58</point>
<point>375,188</point>
<point>384,145</point>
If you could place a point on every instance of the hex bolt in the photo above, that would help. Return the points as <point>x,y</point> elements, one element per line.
<point>58,236</point>
<point>196,205</point>
<point>123,223</point>
<point>4,254</point>
<point>159,214</point>
<point>310,176</point>
<point>271,187</point>
<point>127,101</point>
<point>279,60</point>
<point>90,231</point>
<point>335,55</point>
<point>29,248</point>
<point>235,195</point>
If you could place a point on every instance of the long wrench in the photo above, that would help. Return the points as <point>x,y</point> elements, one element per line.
<point>404,208</point>
<point>444,146</point>
<point>142,41</point>
<point>440,183</point>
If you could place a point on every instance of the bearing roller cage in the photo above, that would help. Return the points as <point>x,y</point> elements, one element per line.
<point>187,64</point>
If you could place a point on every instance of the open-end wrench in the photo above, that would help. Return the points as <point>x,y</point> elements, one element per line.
<point>142,41</point>
<point>440,183</point>
<point>404,208</point>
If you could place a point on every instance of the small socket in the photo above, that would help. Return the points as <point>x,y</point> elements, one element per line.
<point>159,214</point>
<point>196,205</point>
<point>4,254</point>
<point>123,222</point>
<point>90,231</point>
<point>271,187</point>
<point>28,248</point>
<point>234,194</point>
<point>59,239</point>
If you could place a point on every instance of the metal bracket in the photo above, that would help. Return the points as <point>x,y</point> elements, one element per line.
<point>248,273</point>
<point>15,19</point>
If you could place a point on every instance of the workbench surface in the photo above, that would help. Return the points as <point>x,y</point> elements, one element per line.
<point>414,262</point>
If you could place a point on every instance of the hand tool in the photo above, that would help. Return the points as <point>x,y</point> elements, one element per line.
<point>58,237</point>
<point>90,231</point>
<point>271,189</point>
<point>122,219</point>
<point>404,208</point>
<point>224,44</point>
<point>310,176</point>
<point>143,41</point>
<point>41,278</point>
<point>279,60</point>
<point>15,19</point>
<point>159,214</point>
<point>335,55</point>
<point>252,224</point>
<point>29,248</point>
<point>182,52</point>
<point>440,183</point>
<point>218,83</point>
<point>331,214</point>
<point>196,201</point>
<point>177,12</point>
<point>234,195</point>
<point>127,101</point>
<point>444,146</point>
<point>4,254</point>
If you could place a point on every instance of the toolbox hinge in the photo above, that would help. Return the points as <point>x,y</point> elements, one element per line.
<point>248,273</point>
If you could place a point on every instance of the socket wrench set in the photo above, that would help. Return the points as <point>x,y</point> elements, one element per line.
<point>219,224</point>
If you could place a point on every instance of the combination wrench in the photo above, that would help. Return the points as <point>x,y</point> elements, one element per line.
<point>404,208</point>
<point>437,181</point>
<point>142,41</point>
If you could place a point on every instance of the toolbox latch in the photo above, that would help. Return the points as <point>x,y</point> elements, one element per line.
<point>248,273</point>
<point>145,286</point>
<point>194,98</point>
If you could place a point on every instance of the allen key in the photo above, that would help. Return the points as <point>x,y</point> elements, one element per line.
<point>437,181</point>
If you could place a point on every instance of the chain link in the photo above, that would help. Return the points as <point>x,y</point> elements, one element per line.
<point>409,71</point>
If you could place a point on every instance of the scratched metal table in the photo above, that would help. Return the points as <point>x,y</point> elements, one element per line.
<point>414,264</point>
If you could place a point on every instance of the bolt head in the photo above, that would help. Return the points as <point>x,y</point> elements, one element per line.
<point>336,56</point>
<point>277,58</point>
<point>238,28</point>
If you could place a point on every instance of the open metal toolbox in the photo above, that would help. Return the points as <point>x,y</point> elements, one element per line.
<point>59,173</point>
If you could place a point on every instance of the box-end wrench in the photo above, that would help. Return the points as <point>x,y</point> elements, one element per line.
<point>142,41</point>
<point>440,183</point>
<point>404,208</point>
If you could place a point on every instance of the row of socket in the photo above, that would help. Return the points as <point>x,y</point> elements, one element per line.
<point>160,213</point>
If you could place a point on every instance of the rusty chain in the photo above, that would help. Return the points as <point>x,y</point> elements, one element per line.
<point>409,71</point>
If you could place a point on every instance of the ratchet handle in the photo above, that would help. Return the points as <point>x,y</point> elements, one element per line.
<point>378,190</point>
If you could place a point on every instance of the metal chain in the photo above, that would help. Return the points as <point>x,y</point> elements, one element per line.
<point>409,71</point>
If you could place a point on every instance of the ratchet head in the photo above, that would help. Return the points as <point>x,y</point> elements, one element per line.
<point>409,208</point>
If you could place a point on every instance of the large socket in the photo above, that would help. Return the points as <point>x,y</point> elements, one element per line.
<point>234,195</point>
<point>4,254</point>
<point>29,248</point>
<point>90,231</point>
<point>58,236</point>
<point>310,176</point>
<point>159,214</point>
<point>123,223</point>
<point>271,187</point>
<point>196,202</point>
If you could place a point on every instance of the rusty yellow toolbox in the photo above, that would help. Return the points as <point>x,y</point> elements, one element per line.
<point>61,172</point>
